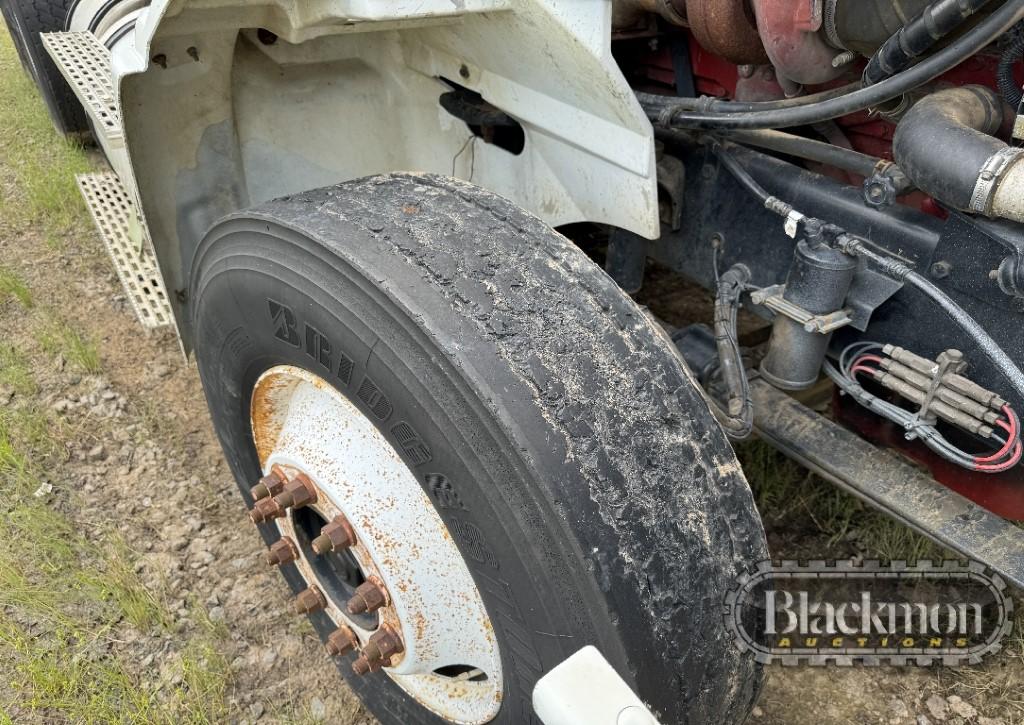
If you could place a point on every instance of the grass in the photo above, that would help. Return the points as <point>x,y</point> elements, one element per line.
<point>15,372</point>
<point>66,589</point>
<point>11,285</point>
<point>42,165</point>
<point>58,337</point>
<point>821,521</point>
<point>69,589</point>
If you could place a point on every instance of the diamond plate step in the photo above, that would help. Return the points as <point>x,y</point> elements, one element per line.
<point>114,215</point>
<point>85,63</point>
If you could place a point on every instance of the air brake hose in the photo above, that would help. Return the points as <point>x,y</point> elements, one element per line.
<point>681,115</point>
<point>945,145</point>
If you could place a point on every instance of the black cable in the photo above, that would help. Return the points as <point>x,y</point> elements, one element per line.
<point>985,32</point>
<point>920,35</point>
<point>823,153</point>
<point>771,203</point>
<point>1008,61</point>
<point>738,417</point>
<point>858,246</point>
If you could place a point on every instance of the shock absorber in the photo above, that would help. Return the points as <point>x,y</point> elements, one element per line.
<point>818,282</point>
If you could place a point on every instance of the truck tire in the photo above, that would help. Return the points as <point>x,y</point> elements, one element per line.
<point>574,463</point>
<point>26,19</point>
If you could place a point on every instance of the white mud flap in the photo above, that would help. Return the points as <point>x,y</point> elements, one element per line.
<point>585,690</point>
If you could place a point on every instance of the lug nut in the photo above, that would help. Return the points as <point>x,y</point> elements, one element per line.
<point>341,641</point>
<point>369,597</point>
<point>335,536</point>
<point>361,666</point>
<point>266,509</point>
<point>282,551</point>
<point>378,651</point>
<point>269,485</point>
<point>297,492</point>
<point>309,601</point>
<point>383,645</point>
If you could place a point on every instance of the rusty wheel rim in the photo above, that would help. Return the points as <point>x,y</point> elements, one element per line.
<point>449,660</point>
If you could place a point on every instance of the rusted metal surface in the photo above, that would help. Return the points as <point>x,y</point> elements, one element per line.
<point>298,492</point>
<point>310,600</point>
<point>369,597</point>
<point>341,641</point>
<point>335,536</point>
<point>727,28</point>
<point>282,551</point>
<point>378,652</point>
<point>399,542</point>
<point>265,510</point>
<point>270,485</point>
<point>888,482</point>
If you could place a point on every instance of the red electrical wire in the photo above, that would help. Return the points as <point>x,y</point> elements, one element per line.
<point>999,468</point>
<point>868,358</point>
<point>1011,438</point>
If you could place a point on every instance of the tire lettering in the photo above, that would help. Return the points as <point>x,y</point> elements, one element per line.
<point>318,346</point>
<point>375,400</point>
<point>443,493</point>
<point>283,320</point>
<point>474,542</point>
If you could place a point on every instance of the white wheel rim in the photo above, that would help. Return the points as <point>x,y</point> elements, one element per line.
<point>301,423</point>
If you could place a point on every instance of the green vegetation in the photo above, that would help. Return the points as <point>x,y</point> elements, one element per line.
<point>42,164</point>
<point>822,518</point>
<point>59,337</point>
<point>69,589</point>
<point>11,285</point>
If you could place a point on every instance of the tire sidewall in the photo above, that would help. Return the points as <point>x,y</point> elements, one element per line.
<point>249,321</point>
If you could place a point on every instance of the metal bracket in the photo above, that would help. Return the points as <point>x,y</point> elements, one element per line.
<point>772,298</point>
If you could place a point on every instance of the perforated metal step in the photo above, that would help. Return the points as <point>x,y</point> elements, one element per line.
<point>114,215</point>
<point>85,63</point>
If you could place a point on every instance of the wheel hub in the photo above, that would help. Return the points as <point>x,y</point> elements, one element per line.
<point>377,557</point>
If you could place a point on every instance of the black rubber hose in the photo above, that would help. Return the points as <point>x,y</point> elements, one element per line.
<point>738,417</point>
<point>974,40</point>
<point>821,152</point>
<point>920,35</point>
<point>945,140</point>
<point>1008,61</point>
<point>721,105</point>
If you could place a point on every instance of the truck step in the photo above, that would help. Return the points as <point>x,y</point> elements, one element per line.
<point>115,217</point>
<point>85,64</point>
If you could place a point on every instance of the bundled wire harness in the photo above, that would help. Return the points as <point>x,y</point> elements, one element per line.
<point>938,393</point>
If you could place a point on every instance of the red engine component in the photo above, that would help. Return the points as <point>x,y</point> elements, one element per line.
<point>789,30</point>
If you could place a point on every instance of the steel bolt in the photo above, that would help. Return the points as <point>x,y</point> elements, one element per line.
<point>269,485</point>
<point>341,641</point>
<point>378,651</point>
<point>297,492</point>
<point>335,536</point>
<point>383,645</point>
<point>282,551</point>
<point>369,597</point>
<point>309,601</point>
<point>266,509</point>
